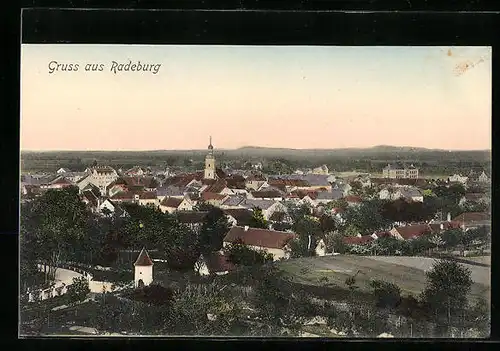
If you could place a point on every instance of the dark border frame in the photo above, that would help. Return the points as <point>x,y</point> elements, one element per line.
<point>301,24</point>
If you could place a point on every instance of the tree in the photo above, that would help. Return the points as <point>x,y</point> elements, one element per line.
<point>452,238</point>
<point>55,226</point>
<point>279,306</point>
<point>257,220</point>
<point>215,226</point>
<point>448,285</point>
<point>436,240</point>
<point>351,230</point>
<point>388,295</point>
<point>78,290</point>
<point>335,243</point>
<point>309,231</point>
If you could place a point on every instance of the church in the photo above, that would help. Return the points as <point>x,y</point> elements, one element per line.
<point>211,171</point>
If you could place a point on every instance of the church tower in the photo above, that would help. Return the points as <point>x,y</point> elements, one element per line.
<point>210,162</point>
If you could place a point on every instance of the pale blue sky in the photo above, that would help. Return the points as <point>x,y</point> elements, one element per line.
<point>282,96</point>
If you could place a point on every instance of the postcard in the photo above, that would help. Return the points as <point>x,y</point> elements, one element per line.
<point>255,191</point>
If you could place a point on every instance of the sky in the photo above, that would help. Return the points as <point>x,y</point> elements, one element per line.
<point>270,96</point>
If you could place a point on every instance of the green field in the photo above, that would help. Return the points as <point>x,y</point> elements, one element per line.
<point>332,271</point>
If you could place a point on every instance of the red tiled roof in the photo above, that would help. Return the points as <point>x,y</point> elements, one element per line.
<point>358,240</point>
<point>143,259</point>
<point>216,187</point>
<point>436,227</point>
<point>414,230</point>
<point>259,237</point>
<point>382,234</point>
<point>171,202</point>
<point>472,217</point>
<point>148,182</point>
<point>266,194</point>
<point>236,182</point>
<point>212,196</point>
<point>218,262</point>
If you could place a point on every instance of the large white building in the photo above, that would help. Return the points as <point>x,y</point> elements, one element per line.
<point>397,171</point>
<point>100,177</point>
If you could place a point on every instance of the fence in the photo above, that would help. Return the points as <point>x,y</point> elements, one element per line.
<point>55,289</point>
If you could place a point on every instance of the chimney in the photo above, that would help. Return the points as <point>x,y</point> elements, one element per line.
<point>441,226</point>
<point>136,197</point>
<point>448,217</point>
<point>246,228</point>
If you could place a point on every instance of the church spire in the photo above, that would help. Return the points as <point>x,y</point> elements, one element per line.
<point>210,146</point>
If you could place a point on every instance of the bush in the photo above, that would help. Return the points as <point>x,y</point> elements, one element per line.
<point>387,294</point>
<point>78,291</point>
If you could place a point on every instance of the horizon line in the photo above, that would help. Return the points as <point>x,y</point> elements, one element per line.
<point>258,147</point>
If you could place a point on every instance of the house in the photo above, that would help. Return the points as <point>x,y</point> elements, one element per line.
<point>91,200</point>
<point>214,198</point>
<point>113,188</point>
<point>170,191</point>
<point>173,204</point>
<point>308,200</point>
<point>439,227</point>
<point>272,241</point>
<point>268,207</point>
<point>234,201</point>
<point>472,220</point>
<point>111,207</point>
<point>324,197</point>
<point>345,188</point>
<point>142,198</point>
<point>320,249</point>
<point>63,170</point>
<point>474,198</point>
<point>58,183</point>
<point>483,178</point>
<point>410,231</point>
<point>269,193</point>
<point>457,178</point>
<point>409,194</point>
<point>101,177</point>
<point>137,171</point>
<point>216,263</point>
<point>254,181</point>
<point>143,270</point>
<point>398,170</point>
<point>316,182</point>
<point>322,170</point>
